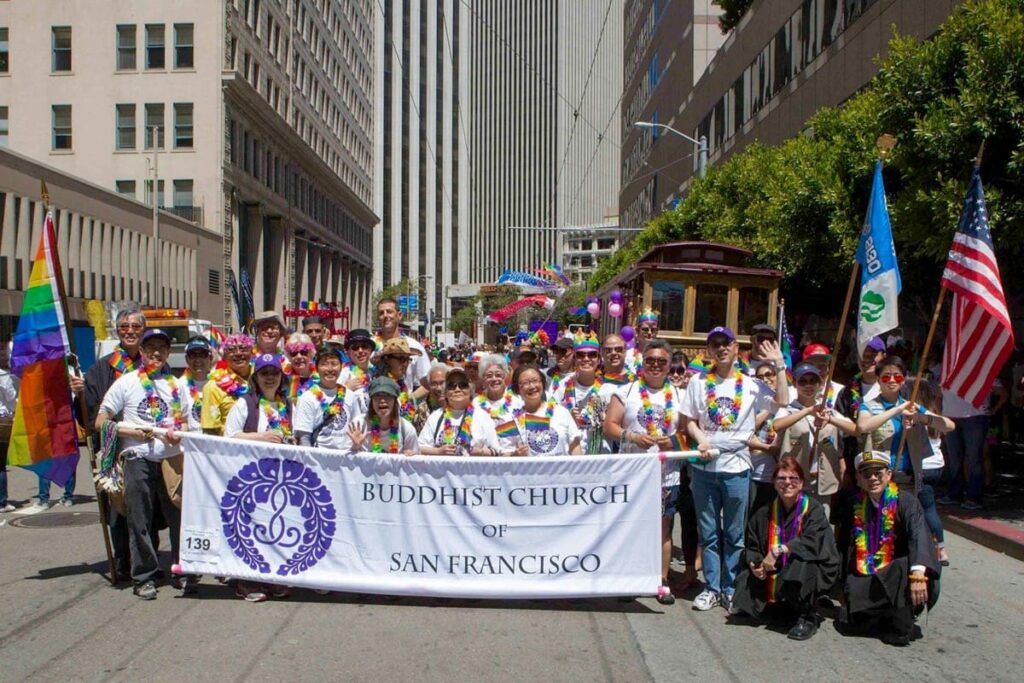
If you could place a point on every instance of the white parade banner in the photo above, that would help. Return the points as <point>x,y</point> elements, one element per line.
<point>565,526</point>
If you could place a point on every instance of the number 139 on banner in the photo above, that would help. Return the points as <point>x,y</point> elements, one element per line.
<point>199,544</point>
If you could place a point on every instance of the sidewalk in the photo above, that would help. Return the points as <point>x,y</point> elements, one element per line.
<point>1000,526</point>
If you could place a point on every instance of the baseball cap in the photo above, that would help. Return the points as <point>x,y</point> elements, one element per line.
<point>763,328</point>
<point>198,344</point>
<point>155,332</point>
<point>312,320</point>
<point>383,385</point>
<point>806,369</point>
<point>563,343</point>
<point>267,360</point>
<point>722,331</point>
<point>872,459</point>
<point>358,335</point>
<point>876,344</point>
<point>268,317</point>
<point>812,350</point>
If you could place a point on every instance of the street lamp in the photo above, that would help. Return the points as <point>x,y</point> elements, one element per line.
<point>702,143</point>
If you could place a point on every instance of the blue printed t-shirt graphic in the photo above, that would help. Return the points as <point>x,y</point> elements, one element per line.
<point>880,282</point>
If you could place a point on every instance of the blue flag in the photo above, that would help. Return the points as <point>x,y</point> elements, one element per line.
<point>880,283</point>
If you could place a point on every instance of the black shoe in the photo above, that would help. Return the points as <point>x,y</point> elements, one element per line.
<point>896,639</point>
<point>146,591</point>
<point>665,597</point>
<point>803,630</point>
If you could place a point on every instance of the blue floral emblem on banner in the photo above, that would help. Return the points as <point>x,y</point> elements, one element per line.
<point>267,490</point>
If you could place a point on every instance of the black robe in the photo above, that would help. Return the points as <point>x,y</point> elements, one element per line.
<point>811,570</point>
<point>889,588</point>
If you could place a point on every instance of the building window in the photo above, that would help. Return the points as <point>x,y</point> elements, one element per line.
<point>125,187</point>
<point>125,126</point>
<point>61,126</point>
<point>149,193</point>
<point>61,48</point>
<point>126,48</point>
<point>183,193</point>
<point>753,309</point>
<point>154,117</point>
<point>5,128</point>
<point>183,125</point>
<point>712,303</point>
<point>5,58</point>
<point>183,57</point>
<point>154,46</point>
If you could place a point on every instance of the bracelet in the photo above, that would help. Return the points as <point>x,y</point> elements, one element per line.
<point>914,578</point>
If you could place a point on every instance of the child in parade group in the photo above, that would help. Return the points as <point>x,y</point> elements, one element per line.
<point>383,430</point>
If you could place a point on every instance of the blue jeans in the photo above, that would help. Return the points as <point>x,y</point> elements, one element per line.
<point>929,478</point>
<point>721,502</point>
<point>44,489</point>
<point>966,444</point>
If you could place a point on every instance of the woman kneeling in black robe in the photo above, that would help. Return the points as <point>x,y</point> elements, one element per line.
<point>890,560</point>
<point>791,556</point>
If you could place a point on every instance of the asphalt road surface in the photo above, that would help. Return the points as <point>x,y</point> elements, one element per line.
<point>63,621</point>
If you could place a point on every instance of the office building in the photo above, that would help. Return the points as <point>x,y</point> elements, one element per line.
<point>255,116</point>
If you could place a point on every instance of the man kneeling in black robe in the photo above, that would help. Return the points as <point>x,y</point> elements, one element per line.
<point>889,557</point>
<point>791,556</point>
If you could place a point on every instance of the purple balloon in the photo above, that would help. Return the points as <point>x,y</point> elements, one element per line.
<point>627,333</point>
<point>616,296</point>
<point>614,310</point>
<point>594,308</point>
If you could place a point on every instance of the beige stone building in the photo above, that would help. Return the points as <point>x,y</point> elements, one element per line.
<point>262,112</point>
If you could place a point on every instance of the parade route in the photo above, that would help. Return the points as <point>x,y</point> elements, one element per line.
<point>63,621</point>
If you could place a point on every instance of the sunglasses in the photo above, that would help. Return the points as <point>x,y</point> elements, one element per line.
<point>892,377</point>
<point>804,382</point>
<point>787,479</point>
<point>656,362</point>
<point>677,370</point>
<point>129,327</point>
<point>765,375</point>
<point>586,354</point>
<point>299,350</point>
<point>614,349</point>
<point>452,386</point>
<point>361,346</point>
<point>872,472</point>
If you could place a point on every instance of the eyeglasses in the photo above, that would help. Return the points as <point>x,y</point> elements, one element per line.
<point>788,479</point>
<point>872,472</point>
<point>614,349</point>
<point>453,386</point>
<point>129,327</point>
<point>587,354</point>
<point>361,346</point>
<point>656,362</point>
<point>299,350</point>
<point>530,382</point>
<point>714,345</point>
<point>765,375</point>
<point>892,377</point>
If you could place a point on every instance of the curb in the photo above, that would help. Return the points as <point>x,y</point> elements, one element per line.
<point>992,534</point>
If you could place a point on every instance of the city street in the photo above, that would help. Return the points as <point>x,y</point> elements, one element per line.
<point>62,621</point>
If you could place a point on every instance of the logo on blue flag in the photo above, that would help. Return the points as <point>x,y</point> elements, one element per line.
<point>880,282</point>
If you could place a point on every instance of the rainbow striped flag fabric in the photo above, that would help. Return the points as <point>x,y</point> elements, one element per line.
<point>44,437</point>
<point>508,430</point>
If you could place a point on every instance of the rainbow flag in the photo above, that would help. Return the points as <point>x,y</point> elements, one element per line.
<point>508,430</point>
<point>44,437</point>
<point>537,423</point>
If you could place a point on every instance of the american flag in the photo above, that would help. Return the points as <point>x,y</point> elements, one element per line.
<point>980,339</point>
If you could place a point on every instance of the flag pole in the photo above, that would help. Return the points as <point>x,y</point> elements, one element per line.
<point>83,409</point>
<point>931,332</point>
<point>885,143</point>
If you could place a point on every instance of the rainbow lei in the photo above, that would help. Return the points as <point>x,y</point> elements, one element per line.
<point>277,417</point>
<point>121,362</point>
<point>375,441</point>
<point>505,408</point>
<point>193,391</point>
<point>330,407</point>
<point>618,379</point>
<point>228,382</point>
<point>465,437</point>
<point>406,403</point>
<point>153,398</point>
<point>779,533</point>
<point>856,394</point>
<point>874,539</point>
<point>360,374</point>
<point>830,398</point>
<point>556,381</point>
<point>297,385</point>
<point>649,421</point>
<point>569,398</point>
<point>711,396</point>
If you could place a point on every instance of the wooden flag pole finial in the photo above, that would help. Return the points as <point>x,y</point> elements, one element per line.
<point>981,152</point>
<point>46,195</point>
<point>885,144</point>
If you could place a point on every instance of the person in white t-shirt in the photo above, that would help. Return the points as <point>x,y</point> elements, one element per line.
<point>383,430</point>
<point>545,428</point>
<point>499,401</point>
<point>324,411</point>
<point>458,428</point>
<point>644,416</point>
<point>720,413</point>
<point>389,319</point>
<point>264,413</point>
<point>146,398</point>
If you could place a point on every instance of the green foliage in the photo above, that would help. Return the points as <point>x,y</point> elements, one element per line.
<point>732,12</point>
<point>800,205</point>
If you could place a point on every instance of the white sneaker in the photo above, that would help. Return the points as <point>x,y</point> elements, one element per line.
<point>707,599</point>
<point>67,502</point>
<point>8,508</point>
<point>33,509</point>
